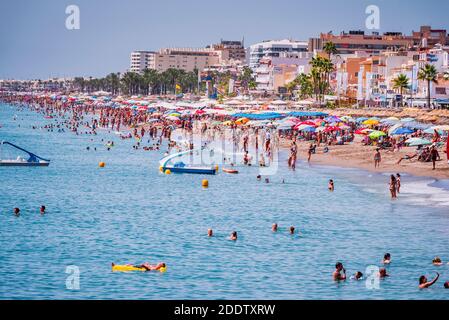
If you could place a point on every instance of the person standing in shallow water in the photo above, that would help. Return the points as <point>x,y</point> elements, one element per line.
<point>377,159</point>
<point>393,187</point>
<point>398,183</point>
<point>331,185</point>
<point>340,273</point>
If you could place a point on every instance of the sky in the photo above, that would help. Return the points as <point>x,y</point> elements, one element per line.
<point>35,43</point>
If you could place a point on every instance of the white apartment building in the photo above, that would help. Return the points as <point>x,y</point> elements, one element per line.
<point>141,60</point>
<point>187,59</point>
<point>272,49</point>
<point>275,72</point>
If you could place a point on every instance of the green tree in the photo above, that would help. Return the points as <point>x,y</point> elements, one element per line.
<point>246,77</point>
<point>400,83</point>
<point>330,49</point>
<point>429,74</point>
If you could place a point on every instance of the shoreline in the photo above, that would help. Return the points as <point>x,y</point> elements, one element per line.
<point>357,156</point>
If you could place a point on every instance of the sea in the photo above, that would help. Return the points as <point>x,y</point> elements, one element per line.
<point>129,212</point>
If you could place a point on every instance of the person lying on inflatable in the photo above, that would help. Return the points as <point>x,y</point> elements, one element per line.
<point>142,267</point>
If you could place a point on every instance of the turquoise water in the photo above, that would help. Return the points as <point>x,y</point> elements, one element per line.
<point>128,212</point>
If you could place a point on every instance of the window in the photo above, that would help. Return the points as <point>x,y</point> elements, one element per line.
<point>440,90</point>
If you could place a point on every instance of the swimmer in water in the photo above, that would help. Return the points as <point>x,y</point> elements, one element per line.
<point>210,233</point>
<point>446,285</point>
<point>387,258</point>
<point>331,186</point>
<point>274,227</point>
<point>437,262</point>
<point>292,230</point>
<point>267,180</point>
<point>233,236</point>
<point>16,212</point>
<point>424,283</point>
<point>259,177</point>
<point>357,276</point>
<point>149,267</point>
<point>383,273</point>
<point>340,273</point>
<point>42,210</point>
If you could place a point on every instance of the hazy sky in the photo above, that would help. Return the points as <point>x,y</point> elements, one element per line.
<point>34,42</point>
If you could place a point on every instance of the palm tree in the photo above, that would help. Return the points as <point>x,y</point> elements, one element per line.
<point>150,79</point>
<point>246,78</point>
<point>320,76</point>
<point>400,83</point>
<point>330,49</point>
<point>428,73</point>
<point>80,83</point>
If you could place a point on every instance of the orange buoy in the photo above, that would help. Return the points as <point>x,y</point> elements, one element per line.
<point>101,164</point>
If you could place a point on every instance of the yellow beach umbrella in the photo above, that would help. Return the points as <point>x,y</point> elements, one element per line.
<point>228,123</point>
<point>371,122</point>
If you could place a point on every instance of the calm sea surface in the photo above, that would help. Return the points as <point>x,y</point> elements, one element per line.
<point>128,212</point>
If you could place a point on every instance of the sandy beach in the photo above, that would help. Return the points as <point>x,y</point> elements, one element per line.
<point>356,155</point>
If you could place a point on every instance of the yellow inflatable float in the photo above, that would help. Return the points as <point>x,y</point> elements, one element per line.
<point>128,268</point>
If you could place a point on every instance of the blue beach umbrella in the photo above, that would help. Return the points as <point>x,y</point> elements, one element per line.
<point>401,131</point>
<point>309,129</point>
<point>361,119</point>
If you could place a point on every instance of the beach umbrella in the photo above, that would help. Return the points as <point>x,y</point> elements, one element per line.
<point>172,118</point>
<point>442,128</point>
<point>361,119</point>
<point>407,119</point>
<point>331,129</point>
<point>376,134</point>
<point>242,121</point>
<point>401,131</point>
<point>303,127</point>
<point>392,119</point>
<point>309,129</point>
<point>363,131</point>
<point>228,123</point>
<point>284,127</point>
<point>414,142</point>
<point>308,122</point>
<point>305,123</point>
<point>347,119</point>
<point>333,119</point>
<point>416,125</point>
<point>174,114</point>
<point>432,131</point>
<point>371,122</point>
